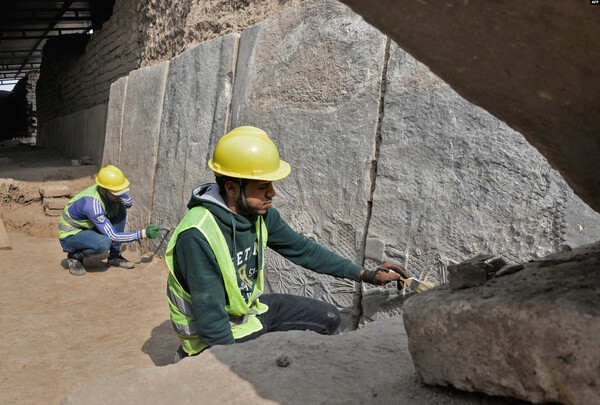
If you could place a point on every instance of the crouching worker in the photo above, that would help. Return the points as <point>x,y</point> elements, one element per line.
<point>216,254</point>
<point>94,222</point>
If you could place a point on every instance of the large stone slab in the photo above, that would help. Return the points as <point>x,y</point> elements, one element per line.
<point>532,334</point>
<point>63,134</point>
<point>540,75</point>
<point>194,117</point>
<point>44,133</point>
<point>96,130</point>
<point>310,77</point>
<point>139,138</point>
<point>453,181</point>
<point>77,122</point>
<point>114,122</point>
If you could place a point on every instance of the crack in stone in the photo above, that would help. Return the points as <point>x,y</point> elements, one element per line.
<point>373,175</point>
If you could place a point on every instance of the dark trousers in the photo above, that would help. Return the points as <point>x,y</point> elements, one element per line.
<point>291,312</point>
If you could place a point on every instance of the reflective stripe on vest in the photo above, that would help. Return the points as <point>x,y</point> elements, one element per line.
<point>186,309</point>
<point>66,218</point>
<point>242,314</point>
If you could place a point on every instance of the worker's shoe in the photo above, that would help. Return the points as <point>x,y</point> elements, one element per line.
<point>75,266</point>
<point>120,261</point>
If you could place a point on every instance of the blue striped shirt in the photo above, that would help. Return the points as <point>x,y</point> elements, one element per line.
<point>90,208</point>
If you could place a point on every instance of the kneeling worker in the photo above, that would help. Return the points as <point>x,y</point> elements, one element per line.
<point>94,221</point>
<point>216,254</point>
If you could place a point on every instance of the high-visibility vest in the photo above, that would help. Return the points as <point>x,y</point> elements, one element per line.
<point>67,226</point>
<point>242,314</point>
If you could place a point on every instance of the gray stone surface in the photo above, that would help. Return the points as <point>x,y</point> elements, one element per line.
<point>139,138</point>
<point>310,77</point>
<point>453,181</point>
<point>68,134</point>
<point>114,122</point>
<point>540,75</point>
<point>475,271</point>
<point>96,130</point>
<point>78,123</point>
<point>77,134</point>
<point>63,136</point>
<point>194,118</point>
<point>532,334</point>
<point>581,223</point>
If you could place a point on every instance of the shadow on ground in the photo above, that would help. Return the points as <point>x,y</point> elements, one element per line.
<point>162,344</point>
<point>91,265</point>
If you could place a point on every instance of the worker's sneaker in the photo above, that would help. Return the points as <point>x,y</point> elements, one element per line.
<point>120,261</point>
<point>75,266</point>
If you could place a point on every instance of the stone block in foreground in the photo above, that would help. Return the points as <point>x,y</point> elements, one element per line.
<point>533,335</point>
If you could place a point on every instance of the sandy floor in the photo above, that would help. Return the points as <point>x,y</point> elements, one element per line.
<point>58,330</point>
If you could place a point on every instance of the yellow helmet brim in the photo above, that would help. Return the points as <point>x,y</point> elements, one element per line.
<point>282,172</point>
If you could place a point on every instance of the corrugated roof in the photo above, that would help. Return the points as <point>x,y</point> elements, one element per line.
<point>26,25</point>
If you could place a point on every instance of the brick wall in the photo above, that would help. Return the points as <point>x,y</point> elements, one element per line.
<point>77,72</point>
<point>22,115</point>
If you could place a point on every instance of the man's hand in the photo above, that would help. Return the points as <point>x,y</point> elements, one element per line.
<point>126,200</point>
<point>395,269</point>
<point>152,231</point>
<point>384,274</point>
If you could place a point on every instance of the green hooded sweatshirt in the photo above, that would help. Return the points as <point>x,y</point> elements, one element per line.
<point>198,272</point>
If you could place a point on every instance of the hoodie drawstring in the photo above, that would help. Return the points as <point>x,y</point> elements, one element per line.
<point>233,237</point>
<point>258,240</point>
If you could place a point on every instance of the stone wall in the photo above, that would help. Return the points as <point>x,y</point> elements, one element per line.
<point>76,74</point>
<point>539,75</point>
<point>77,70</point>
<point>388,162</point>
<point>26,108</point>
<point>79,135</point>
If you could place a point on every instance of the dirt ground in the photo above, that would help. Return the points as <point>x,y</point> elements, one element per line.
<point>58,330</point>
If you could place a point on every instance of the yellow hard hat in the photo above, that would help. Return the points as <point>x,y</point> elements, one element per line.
<point>112,179</point>
<point>248,153</point>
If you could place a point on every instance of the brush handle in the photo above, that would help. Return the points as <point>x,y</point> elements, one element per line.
<point>417,285</point>
<point>407,281</point>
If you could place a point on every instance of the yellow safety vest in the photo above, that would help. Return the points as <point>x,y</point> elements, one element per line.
<point>242,314</point>
<point>67,226</point>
